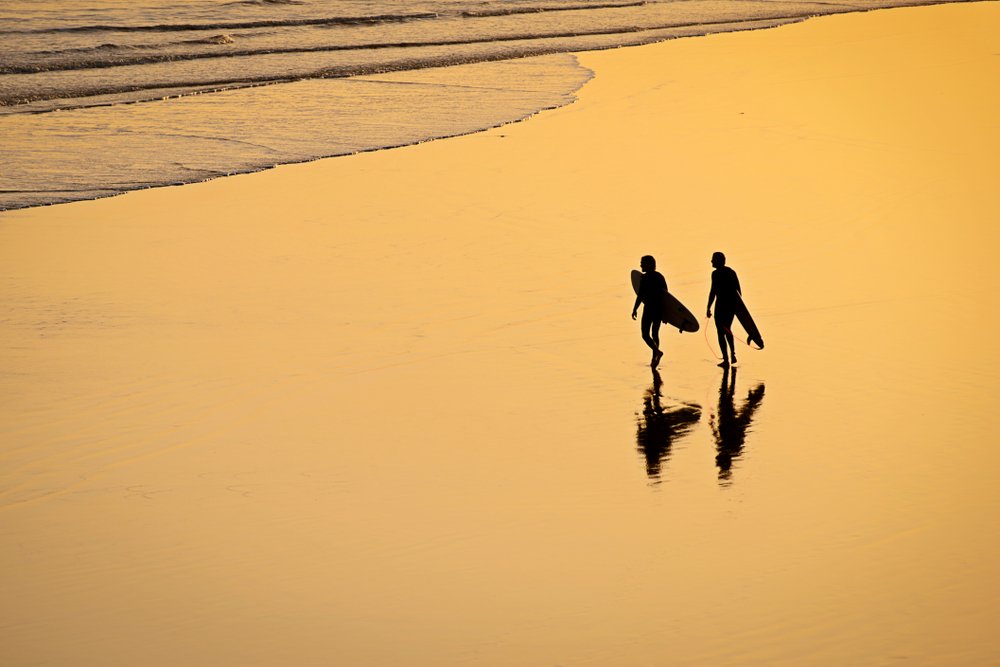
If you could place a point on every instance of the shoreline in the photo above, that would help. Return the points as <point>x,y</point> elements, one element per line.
<point>222,167</point>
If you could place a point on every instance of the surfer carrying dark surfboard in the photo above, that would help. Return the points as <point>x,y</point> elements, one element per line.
<point>650,295</point>
<point>726,293</point>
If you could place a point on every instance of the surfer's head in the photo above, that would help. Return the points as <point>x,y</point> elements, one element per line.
<point>718,259</point>
<point>647,263</point>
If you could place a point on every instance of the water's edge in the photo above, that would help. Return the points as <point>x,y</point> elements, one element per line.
<point>279,151</point>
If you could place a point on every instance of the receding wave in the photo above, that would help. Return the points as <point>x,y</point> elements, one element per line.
<point>124,147</point>
<point>511,11</point>
<point>266,3</point>
<point>321,21</point>
<point>135,57</point>
<point>109,47</point>
<point>233,25</point>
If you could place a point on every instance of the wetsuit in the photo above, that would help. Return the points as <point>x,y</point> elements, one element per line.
<point>651,289</point>
<point>726,289</point>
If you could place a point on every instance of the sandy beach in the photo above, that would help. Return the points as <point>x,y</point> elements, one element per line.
<point>383,409</point>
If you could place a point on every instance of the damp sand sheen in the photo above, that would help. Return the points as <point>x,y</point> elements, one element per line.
<point>383,409</point>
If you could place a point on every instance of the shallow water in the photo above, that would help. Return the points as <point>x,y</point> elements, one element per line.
<point>284,418</point>
<point>129,147</point>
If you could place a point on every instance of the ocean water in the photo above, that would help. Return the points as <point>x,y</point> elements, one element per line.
<point>98,97</point>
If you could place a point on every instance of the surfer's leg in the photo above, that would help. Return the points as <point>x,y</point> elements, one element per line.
<point>655,335</point>
<point>650,330</point>
<point>728,334</point>
<point>723,325</point>
<point>722,344</point>
<point>720,331</point>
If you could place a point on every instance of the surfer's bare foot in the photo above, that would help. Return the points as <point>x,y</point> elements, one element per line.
<point>724,364</point>
<point>657,355</point>
<point>734,360</point>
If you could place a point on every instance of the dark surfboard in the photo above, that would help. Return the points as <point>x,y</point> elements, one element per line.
<point>753,333</point>
<point>675,313</point>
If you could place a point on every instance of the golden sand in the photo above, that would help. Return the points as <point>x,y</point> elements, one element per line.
<point>382,410</point>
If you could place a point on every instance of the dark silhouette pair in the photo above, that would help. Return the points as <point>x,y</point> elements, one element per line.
<point>725,293</point>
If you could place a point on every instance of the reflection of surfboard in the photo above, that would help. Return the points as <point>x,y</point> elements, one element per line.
<point>753,334</point>
<point>674,312</point>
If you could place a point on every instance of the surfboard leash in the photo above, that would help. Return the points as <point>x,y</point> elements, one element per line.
<point>710,348</point>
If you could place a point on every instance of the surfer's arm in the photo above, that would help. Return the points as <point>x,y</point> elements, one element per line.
<point>638,300</point>
<point>711,299</point>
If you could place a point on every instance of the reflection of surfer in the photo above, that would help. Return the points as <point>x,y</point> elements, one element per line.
<point>725,288</point>
<point>729,426</point>
<point>650,295</point>
<point>658,428</point>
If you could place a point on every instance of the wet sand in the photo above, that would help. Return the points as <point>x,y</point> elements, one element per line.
<point>391,409</point>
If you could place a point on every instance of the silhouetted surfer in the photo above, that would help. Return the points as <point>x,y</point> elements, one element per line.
<point>650,295</point>
<point>726,291</point>
<point>729,426</point>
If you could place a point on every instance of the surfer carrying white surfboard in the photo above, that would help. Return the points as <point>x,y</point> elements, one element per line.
<point>727,295</point>
<point>650,295</point>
